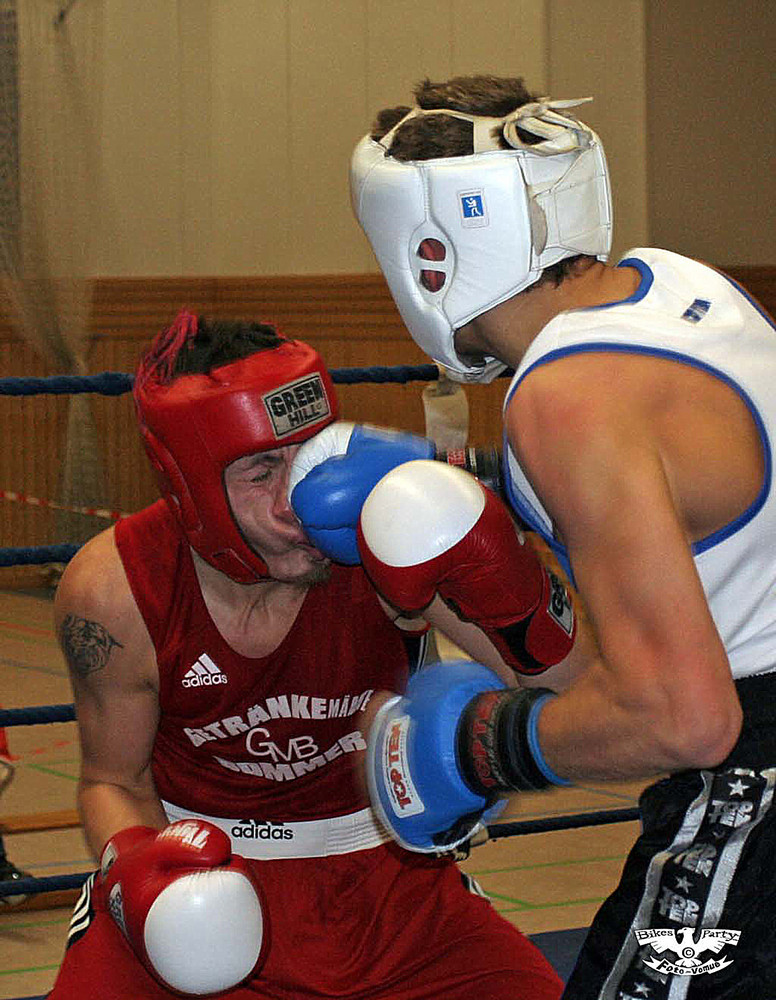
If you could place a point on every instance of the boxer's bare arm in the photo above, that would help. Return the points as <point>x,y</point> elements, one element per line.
<point>660,695</point>
<point>114,677</point>
<point>146,876</point>
<point>466,636</point>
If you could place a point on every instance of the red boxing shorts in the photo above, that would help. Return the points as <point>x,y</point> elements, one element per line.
<point>380,923</point>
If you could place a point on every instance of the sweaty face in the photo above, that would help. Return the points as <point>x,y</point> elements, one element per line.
<point>257,490</point>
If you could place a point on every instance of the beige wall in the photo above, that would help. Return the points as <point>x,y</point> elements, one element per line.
<point>597,48</point>
<point>711,117</point>
<point>220,130</point>
<point>225,128</point>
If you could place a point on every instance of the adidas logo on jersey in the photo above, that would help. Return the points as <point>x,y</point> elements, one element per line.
<point>203,673</point>
<point>255,829</point>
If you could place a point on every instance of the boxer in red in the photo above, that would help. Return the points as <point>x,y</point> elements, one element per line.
<point>220,665</point>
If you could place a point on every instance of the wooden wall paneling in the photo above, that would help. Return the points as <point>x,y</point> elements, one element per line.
<point>351,320</point>
<point>129,483</point>
<point>759,281</point>
<point>140,307</point>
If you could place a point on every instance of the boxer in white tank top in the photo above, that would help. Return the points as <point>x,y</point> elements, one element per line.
<point>639,432</point>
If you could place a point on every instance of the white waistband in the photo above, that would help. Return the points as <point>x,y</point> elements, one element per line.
<point>316,838</point>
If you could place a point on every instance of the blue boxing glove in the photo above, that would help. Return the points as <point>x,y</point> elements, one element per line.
<point>335,471</point>
<point>416,782</point>
<point>439,757</point>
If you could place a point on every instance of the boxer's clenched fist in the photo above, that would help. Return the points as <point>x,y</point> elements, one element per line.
<point>190,908</point>
<point>334,472</point>
<point>429,529</point>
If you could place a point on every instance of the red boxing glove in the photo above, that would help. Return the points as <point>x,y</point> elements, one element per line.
<point>191,910</point>
<point>427,528</point>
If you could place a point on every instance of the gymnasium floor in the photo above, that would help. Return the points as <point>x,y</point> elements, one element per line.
<point>542,882</point>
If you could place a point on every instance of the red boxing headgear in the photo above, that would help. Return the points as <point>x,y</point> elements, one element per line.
<point>193,426</point>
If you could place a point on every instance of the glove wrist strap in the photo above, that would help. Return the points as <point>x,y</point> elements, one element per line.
<point>122,842</point>
<point>498,747</point>
<point>483,463</point>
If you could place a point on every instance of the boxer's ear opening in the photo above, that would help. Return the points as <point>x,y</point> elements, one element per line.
<point>431,249</point>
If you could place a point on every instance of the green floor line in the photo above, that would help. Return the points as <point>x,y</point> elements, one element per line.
<point>60,760</point>
<point>34,668</point>
<point>523,905</point>
<point>50,770</point>
<point>545,864</point>
<point>32,968</point>
<point>25,925</point>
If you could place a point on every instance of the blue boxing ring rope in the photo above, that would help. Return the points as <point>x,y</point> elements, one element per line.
<point>119,383</point>
<point>116,384</point>
<point>66,713</point>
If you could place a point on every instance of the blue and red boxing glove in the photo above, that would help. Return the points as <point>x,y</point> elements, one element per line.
<point>334,472</point>
<point>440,756</point>
<point>424,527</point>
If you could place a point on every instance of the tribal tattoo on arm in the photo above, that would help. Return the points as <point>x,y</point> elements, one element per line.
<point>86,644</point>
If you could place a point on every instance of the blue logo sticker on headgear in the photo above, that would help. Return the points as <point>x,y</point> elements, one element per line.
<point>473,210</point>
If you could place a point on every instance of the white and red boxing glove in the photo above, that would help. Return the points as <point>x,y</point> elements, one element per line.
<point>190,909</point>
<point>428,528</point>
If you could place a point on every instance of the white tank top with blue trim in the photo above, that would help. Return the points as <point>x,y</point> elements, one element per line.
<point>689,312</point>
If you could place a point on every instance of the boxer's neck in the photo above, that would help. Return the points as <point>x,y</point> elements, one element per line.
<point>253,619</point>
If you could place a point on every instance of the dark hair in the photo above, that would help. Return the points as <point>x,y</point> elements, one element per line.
<point>221,341</point>
<point>430,136</point>
<point>427,137</point>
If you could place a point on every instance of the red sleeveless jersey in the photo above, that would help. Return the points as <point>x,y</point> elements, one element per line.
<point>274,739</point>
<point>271,738</point>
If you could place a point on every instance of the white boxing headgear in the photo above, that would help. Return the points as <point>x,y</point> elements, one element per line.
<point>455,236</point>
